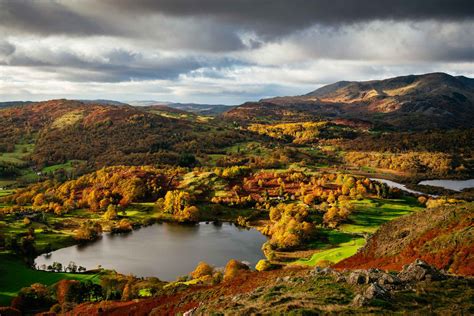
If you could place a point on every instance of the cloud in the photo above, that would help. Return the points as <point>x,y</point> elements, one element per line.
<point>48,17</point>
<point>276,17</point>
<point>223,20</point>
<point>6,49</point>
<point>106,64</point>
<point>223,51</point>
<point>373,41</point>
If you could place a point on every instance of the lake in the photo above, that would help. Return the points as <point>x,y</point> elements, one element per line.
<point>455,185</point>
<point>164,250</point>
<point>393,184</point>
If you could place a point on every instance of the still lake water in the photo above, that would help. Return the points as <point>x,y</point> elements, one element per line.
<point>164,250</point>
<point>393,184</point>
<point>455,185</point>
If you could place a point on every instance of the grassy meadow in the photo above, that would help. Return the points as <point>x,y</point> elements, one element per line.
<point>15,274</point>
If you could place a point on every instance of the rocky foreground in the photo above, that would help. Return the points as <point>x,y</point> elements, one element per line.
<point>418,289</point>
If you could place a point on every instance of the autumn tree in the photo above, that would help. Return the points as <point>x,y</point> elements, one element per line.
<point>202,269</point>
<point>88,231</point>
<point>232,269</point>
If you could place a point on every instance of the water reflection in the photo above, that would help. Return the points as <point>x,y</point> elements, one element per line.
<point>455,185</point>
<point>165,250</point>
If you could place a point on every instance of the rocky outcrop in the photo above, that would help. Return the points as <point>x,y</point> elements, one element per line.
<point>420,271</point>
<point>382,283</point>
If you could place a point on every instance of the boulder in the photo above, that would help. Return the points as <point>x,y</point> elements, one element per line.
<point>358,277</point>
<point>373,291</point>
<point>382,278</point>
<point>323,271</point>
<point>376,291</point>
<point>360,300</point>
<point>419,271</point>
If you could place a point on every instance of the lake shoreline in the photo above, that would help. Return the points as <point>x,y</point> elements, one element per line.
<point>220,241</point>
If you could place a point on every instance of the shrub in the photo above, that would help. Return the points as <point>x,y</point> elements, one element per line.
<point>111,213</point>
<point>26,221</point>
<point>263,265</point>
<point>232,268</point>
<point>88,231</point>
<point>201,270</point>
<point>124,226</point>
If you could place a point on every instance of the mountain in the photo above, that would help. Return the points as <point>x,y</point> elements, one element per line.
<point>435,100</point>
<point>196,108</point>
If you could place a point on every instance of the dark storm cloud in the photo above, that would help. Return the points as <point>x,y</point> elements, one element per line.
<point>48,17</point>
<point>276,17</point>
<point>266,17</point>
<point>297,10</point>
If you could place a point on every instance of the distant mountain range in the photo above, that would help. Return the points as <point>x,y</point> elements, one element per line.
<point>435,100</point>
<point>204,109</point>
<point>13,103</point>
<point>414,102</point>
<point>196,108</point>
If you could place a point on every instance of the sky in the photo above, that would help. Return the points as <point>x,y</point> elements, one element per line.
<point>223,51</point>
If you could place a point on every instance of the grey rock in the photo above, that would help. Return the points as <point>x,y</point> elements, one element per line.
<point>360,300</point>
<point>327,271</point>
<point>419,271</point>
<point>358,277</point>
<point>373,291</point>
<point>385,278</point>
<point>376,291</point>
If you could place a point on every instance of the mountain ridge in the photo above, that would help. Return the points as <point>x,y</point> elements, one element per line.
<point>434,100</point>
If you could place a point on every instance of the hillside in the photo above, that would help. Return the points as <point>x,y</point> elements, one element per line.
<point>58,131</point>
<point>443,237</point>
<point>435,100</point>
<point>306,292</point>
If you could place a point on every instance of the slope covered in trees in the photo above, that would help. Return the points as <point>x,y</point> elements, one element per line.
<point>64,130</point>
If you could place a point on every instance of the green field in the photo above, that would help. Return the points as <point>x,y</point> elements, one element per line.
<point>14,275</point>
<point>369,214</point>
<point>6,192</point>
<point>67,166</point>
<point>18,155</point>
<point>366,218</point>
<point>342,251</point>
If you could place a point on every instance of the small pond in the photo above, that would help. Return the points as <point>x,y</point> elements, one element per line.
<point>164,250</point>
